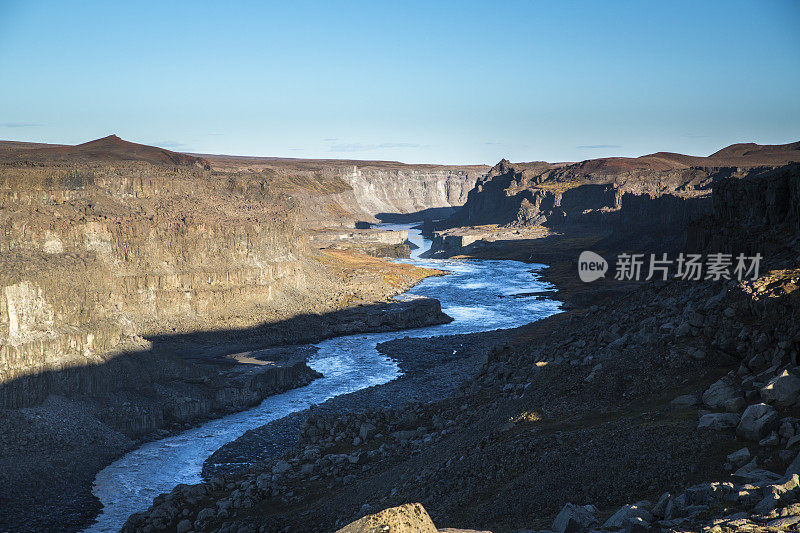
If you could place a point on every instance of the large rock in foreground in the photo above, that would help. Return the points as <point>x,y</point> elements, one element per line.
<point>756,421</point>
<point>574,518</point>
<point>782,390</point>
<point>407,518</point>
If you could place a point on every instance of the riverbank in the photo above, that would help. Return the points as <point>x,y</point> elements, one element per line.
<point>51,452</point>
<point>531,431</point>
<point>433,369</point>
<point>559,250</point>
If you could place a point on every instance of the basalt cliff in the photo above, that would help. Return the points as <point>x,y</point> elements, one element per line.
<point>373,190</point>
<point>627,197</point>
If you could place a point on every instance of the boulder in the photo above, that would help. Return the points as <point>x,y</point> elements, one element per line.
<point>660,508</point>
<point>719,394</point>
<point>637,524</point>
<point>683,329</point>
<point>621,518</point>
<point>407,518</point>
<point>794,467</point>
<point>718,421</point>
<point>281,466</point>
<point>771,440</point>
<point>740,457</point>
<point>752,473</point>
<point>783,389</point>
<point>703,493</point>
<point>786,430</point>
<point>675,507</point>
<point>783,523</point>
<point>735,405</point>
<point>366,431</point>
<point>777,495</point>
<point>757,421</point>
<point>575,518</point>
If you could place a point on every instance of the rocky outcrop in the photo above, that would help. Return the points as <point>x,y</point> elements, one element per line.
<point>757,213</point>
<point>408,518</point>
<point>376,243</point>
<point>583,193</point>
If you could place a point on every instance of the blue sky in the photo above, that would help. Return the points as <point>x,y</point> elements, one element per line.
<point>439,82</point>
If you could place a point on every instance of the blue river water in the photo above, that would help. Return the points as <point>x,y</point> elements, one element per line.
<point>478,294</point>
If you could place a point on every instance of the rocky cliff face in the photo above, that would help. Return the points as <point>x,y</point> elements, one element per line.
<point>526,194</point>
<point>757,214</point>
<point>94,259</point>
<point>409,190</point>
<point>98,258</point>
<point>371,187</point>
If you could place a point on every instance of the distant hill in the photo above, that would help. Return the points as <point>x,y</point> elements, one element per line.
<point>110,148</point>
<point>741,155</point>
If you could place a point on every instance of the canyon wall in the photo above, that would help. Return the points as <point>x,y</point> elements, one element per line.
<point>96,259</point>
<point>371,187</point>
<point>757,214</point>
<point>409,190</point>
<point>112,251</point>
<point>513,195</point>
<point>529,194</point>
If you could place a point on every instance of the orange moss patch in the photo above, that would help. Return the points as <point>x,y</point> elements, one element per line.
<point>399,275</point>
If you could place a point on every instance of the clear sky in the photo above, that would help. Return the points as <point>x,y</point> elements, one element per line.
<point>433,81</point>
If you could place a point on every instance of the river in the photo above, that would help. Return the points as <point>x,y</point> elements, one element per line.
<point>480,295</point>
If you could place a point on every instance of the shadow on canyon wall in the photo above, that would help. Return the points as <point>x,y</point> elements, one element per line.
<point>432,213</point>
<point>197,358</point>
<point>59,427</point>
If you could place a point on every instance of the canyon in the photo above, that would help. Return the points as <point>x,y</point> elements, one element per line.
<point>128,272</point>
<point>143,291</point>
<point>671,406</point>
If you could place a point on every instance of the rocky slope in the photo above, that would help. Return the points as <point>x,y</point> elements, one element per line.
<point>672,407</point>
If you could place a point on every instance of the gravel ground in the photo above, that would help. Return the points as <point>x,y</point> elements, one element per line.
<point>433,368</point>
